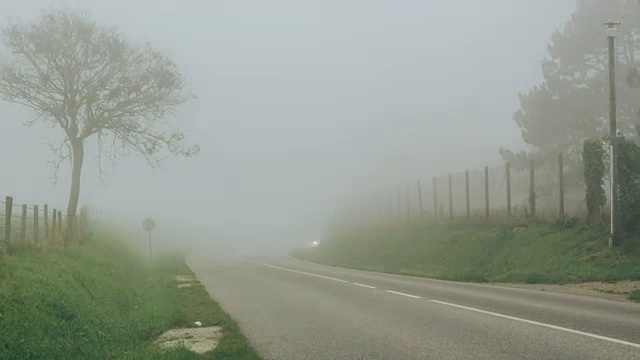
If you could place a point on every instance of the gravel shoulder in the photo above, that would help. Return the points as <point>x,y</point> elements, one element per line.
<point>618,291</point>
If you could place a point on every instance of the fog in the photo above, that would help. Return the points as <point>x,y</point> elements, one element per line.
<point>300,105</point>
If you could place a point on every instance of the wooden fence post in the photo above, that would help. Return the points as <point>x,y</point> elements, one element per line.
<point>54,227</point>
<point>532,188</point>
<point>420,203</point>
<point>46,223</point>
<point>408,206</point>
<point>36,226</point>
<point>486,192</point>
<point>435,199</point>
<point>466,186</point>
<point>508,173</point>
<point>8,210</point>
<point>60,232</point>
<point>450,198</point>
<point>561,184</point>
<point>23,224</point>
<point>399,206</point>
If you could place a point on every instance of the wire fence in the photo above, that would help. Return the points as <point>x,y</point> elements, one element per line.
<point>36,226</point>
<point>536,190</point>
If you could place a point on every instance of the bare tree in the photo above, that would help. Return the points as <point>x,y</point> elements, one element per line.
<point>90,81</point>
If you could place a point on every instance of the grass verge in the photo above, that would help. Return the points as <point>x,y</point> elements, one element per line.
<point>635,295</point>
<point>101,301</point>
<point>536,253</point>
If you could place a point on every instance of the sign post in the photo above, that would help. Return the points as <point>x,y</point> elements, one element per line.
<point>149,224</point>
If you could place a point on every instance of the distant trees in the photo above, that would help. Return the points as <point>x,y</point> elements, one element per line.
<point>571,103</point>
<point>90,82</point>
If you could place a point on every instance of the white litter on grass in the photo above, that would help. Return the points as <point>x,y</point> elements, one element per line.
<point>185,278</point>
<point>198,340</point>
<point>180,286</point>
<point>198,323</point>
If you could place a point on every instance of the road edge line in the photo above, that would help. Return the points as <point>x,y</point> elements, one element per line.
<point>532,322</point>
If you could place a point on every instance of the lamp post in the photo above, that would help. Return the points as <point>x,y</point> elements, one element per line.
<point>611,38</point>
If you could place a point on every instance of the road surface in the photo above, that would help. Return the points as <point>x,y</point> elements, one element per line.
<point>290,309</point>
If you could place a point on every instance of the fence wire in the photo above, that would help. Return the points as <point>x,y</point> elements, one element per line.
<point>507,191</point>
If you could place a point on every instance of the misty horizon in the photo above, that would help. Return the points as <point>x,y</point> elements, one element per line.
<point>299,106</point>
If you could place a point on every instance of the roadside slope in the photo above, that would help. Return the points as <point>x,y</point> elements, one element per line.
<point>497,253</point>
<point>101,301</point>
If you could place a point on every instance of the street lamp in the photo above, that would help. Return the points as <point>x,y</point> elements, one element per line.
<point>612,32</point>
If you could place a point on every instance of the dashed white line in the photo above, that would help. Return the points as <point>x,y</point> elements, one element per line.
<point>549,326</point>
<point>294,271</point>
<point>366,286</point>
<point>403,294</point>
<point>617,341</point>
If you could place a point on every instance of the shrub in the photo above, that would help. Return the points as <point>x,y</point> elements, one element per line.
<point>592,157</point>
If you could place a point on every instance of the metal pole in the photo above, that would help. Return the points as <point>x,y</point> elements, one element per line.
<point>611,36</point>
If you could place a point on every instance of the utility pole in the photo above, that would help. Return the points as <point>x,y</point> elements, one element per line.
<point>611,36</point>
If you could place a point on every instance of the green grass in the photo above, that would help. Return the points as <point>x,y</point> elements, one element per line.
<point>101,301</point>
<point>533,253</point>
<point>635,295</point>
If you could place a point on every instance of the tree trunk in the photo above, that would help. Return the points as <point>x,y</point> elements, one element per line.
<point>78,157</point>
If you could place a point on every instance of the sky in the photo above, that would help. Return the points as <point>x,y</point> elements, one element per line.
<point>300,105</point>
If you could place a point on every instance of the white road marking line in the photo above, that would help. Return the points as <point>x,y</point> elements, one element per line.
<point>403,294</point>
<point>595,336</point>
<point>617,341</point>
<point>294,271</point>
<point>363,285</point>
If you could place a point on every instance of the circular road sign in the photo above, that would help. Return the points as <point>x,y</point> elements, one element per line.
<point>148,224</point>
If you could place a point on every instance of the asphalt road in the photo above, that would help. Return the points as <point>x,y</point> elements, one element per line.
<point>290,309</point>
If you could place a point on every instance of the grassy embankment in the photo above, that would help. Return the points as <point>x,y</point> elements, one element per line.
<point>101,301</point>
<point>533,253</point>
